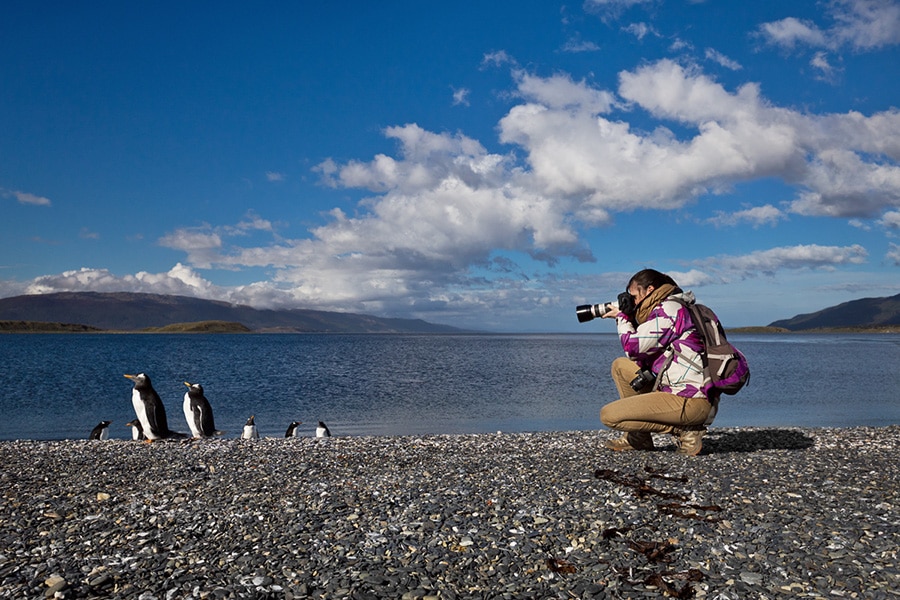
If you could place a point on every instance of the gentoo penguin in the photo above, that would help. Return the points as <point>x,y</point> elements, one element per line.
<point>198,412</point>
<point>149,409</point>
<point>292,429</point>
<point>250,432</point>
<point>101,431</point>
<point>322,430</point>
<point>137,432</point>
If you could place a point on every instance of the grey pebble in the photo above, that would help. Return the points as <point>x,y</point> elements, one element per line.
<point>760,513</point>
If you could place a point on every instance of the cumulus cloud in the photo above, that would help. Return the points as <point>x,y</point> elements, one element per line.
<point>200,244</point>
<point>860,25</point>
<point>890,220</point>
<point>25,197</point>
<point>274,176</point>
<point>446,222</point>
<point>893,254</point>
<point>179,280</point>
<point>442,206</point>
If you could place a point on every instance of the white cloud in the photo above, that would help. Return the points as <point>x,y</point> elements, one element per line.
<point>577,46</point>
<point>640,30</point>
<point>200,244</point>
<point>498,58</point>
<point>791,32</point>
<point>860,25</point>
<point>893,254</point>
<point>721,59</point>
<point>693,278</point>
<point>461,96</point>
<point>768,262</point>
<point>274,176</point>
<point>25,197</point>
<point>180,280</point>
<point>446,220</point>
<point>890,220</point>
<point>756,216</point>
<point>820,62</point>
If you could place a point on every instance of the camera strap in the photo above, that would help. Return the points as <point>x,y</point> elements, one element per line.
<point>670,356</point>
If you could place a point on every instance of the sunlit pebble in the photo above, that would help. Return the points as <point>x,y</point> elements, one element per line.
<point>514,515</point>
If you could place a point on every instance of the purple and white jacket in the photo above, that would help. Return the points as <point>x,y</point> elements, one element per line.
<point>668,327</point>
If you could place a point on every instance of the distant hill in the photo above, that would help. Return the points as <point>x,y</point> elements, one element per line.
<point>125,311</point>
<point>866,313</point>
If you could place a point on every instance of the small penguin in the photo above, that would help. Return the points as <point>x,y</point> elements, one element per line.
<point>292,429</point>
<point>250,432</point>
<point>137,432</point>
<point>198,413</point>
<point>101,431</point>
<point>149,409</point>
<point>322,430</point>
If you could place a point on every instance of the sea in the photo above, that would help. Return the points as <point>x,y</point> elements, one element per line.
<point>59,386</point>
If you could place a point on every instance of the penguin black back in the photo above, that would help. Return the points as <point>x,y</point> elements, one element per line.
<point>148,408</point>
<point>101,431</point>
<point>292,429</point>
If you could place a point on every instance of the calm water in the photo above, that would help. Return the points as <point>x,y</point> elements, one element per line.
<point>60,386</point>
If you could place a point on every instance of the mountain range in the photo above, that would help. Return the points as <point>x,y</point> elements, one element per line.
<point>125,311</point>
<point>865,313</point>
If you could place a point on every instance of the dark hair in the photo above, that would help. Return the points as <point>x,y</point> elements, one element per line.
<point>648,277</point>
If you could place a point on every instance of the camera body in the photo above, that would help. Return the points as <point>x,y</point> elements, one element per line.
<point>644,378</point>
<point>588,312</point>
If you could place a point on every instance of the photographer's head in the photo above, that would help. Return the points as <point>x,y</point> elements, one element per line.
<point>644,282</point>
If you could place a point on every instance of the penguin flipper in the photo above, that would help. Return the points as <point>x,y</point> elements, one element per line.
<point>156,416</point>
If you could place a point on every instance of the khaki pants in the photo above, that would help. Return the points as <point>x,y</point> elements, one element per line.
<point>654,412</point>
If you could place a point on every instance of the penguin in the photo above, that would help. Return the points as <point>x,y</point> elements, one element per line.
<point>101,431</point>
<point>292,429</point>
<point>250,432</point>
<point>198,412</point>
<point>149,409</point>
<point>137,432</point>
<point>322,430</point>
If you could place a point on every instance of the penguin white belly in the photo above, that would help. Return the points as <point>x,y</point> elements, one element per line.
<point>104,433</point>
<point>250,432</point>
<point>189,416</point>
<point>140,412</point>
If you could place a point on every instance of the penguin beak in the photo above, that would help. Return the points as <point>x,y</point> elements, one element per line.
<point>187,384</point>
<point>130,376</point>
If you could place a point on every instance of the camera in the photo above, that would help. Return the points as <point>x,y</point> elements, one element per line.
<point>643,379</point>
<point>589,312</point>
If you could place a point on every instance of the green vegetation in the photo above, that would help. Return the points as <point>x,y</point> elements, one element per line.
<point>42,327</point>
<point>200,327</point>
<point>762,329</point>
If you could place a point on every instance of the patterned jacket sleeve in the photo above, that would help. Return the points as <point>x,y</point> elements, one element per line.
<point>647,342</point>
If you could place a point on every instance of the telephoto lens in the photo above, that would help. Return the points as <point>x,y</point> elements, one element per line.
<point>589,312</point>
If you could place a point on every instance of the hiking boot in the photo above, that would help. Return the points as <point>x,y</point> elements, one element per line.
<point>636,440</point>
<point>689,442</point>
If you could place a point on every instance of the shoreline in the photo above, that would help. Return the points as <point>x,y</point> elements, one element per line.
<point>809,512</point>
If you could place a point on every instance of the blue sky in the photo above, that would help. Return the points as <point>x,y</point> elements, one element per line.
<point>480,164</point>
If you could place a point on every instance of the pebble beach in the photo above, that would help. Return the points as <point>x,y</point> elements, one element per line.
<point>760,513</point>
